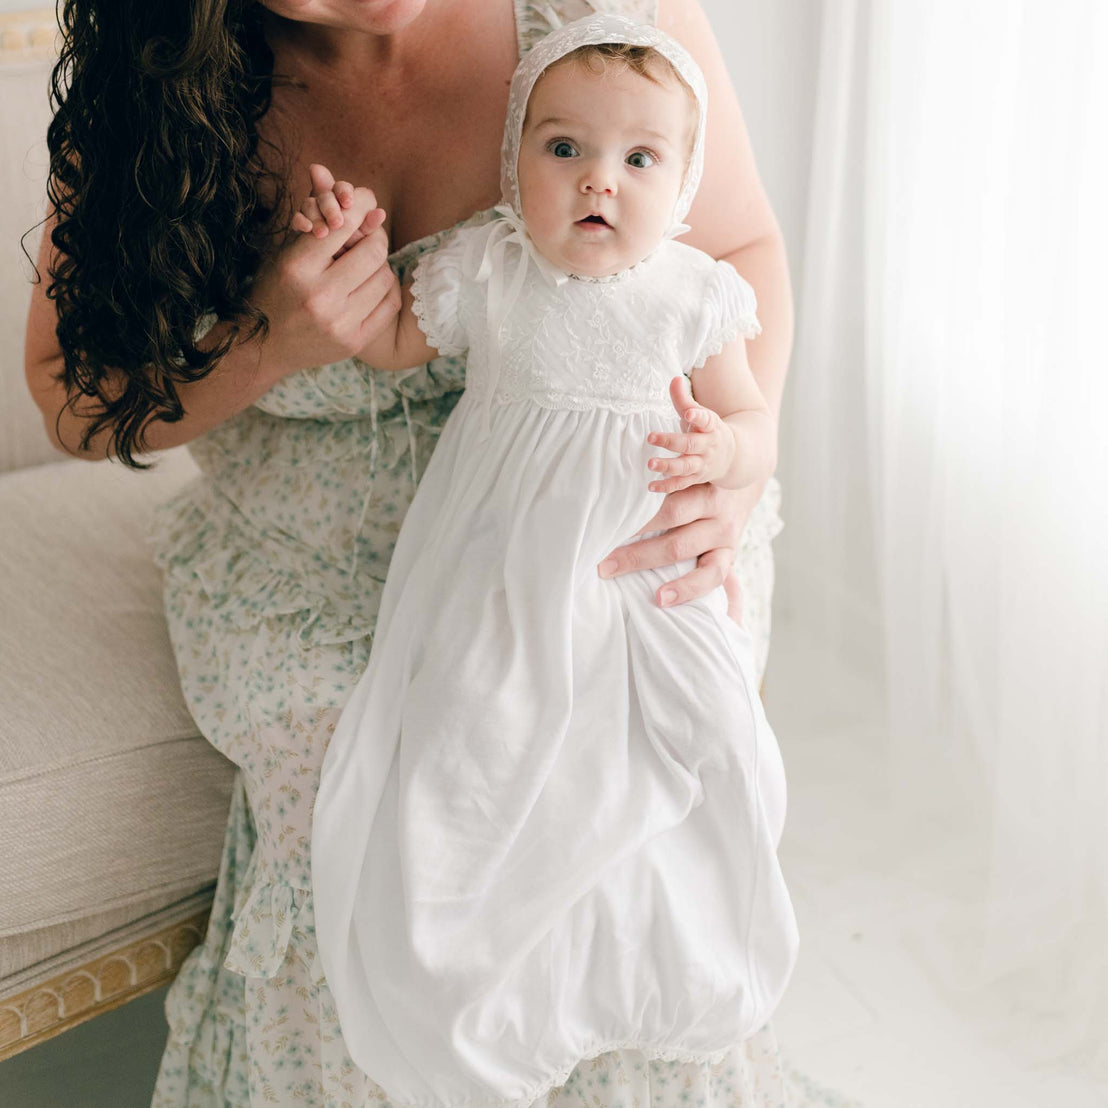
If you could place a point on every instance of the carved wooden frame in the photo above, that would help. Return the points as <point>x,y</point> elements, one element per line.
<point>106,982</point>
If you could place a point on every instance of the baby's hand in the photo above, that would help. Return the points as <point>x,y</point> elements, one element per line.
<point>705,452</point>
<point>323,210</point>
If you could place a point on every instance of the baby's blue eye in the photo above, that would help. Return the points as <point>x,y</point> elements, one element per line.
<point>561,145</point>
<point>640,154</point>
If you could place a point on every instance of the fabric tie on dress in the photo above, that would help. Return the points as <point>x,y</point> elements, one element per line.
<point>509,228</point>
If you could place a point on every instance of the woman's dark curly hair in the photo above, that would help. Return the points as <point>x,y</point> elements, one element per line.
<point>154,178</point>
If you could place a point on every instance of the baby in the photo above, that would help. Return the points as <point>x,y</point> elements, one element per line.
<point>547,820</point>
<point>596,202</point>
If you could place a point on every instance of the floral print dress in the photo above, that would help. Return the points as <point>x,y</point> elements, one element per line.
<point>274,559</point>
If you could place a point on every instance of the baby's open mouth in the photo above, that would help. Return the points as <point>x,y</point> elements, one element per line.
<point>595,220</point>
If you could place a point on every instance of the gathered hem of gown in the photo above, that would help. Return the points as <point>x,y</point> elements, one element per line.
<point>267,926</point>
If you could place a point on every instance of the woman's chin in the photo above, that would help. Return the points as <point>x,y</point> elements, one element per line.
<point>378,17</point>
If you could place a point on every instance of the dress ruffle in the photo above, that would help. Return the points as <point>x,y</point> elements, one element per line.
<point>436,288</point>
<point>205,1008</point>
<point>746,327</point>
<point>765,521</point>
<point>269,916</point>
<point>730,312</point>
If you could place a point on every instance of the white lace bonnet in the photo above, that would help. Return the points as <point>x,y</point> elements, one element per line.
<point>594,29</point>
<point>510,227</point>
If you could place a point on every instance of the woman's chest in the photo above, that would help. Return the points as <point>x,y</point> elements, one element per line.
<point>425,138</point>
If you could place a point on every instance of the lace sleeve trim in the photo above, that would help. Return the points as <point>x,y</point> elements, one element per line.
<point>425,293</point>
<point>746,327</point>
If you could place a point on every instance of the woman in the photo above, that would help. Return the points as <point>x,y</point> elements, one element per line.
<point>177,159</point>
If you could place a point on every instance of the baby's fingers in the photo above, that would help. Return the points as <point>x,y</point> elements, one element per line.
<point>689,466</point>
<point>680,442</point>
<point>674,484</point>
<point>330,209</point>
<point>310,212</point>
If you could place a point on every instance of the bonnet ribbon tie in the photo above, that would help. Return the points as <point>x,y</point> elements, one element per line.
<point>509,228</point>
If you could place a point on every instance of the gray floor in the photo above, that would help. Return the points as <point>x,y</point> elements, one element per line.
<point>108,1062</point>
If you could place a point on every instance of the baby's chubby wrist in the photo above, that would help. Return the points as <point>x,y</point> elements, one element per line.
<point>754,459</point>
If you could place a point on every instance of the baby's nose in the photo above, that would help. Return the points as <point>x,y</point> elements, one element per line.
<point>600,176</point>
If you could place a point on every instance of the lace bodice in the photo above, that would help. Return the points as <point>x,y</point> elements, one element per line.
<point>611,342</point>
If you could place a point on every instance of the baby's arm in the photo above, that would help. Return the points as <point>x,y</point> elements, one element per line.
<point>401,345</point>
<point>726,385</point>
<point>732,436</point>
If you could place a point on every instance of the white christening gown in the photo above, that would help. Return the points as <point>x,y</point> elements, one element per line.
<point>548,817</point>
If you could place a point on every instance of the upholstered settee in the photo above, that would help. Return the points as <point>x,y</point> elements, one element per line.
<point>112,806</point>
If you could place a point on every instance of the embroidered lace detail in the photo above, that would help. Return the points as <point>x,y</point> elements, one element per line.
<point>560,401</point>
<point>537,19</point>
<point>612,344</point>
<point>592,344</point>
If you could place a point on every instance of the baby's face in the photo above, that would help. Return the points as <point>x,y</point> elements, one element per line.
<point>612,144</point>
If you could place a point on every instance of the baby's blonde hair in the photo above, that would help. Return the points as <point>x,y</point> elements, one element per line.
<point>646,61</point>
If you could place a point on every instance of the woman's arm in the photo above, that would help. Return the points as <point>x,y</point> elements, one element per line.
<point>731,216</point>
<point>732,220</point>
<point>320,310</point>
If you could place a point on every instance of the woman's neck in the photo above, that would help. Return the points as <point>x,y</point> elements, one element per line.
<point>319,49</point>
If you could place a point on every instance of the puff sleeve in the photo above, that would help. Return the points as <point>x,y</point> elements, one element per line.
<point>727,313</point>
<point>437,287</point>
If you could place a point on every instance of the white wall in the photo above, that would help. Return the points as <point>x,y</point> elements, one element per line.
<point>771,51</point>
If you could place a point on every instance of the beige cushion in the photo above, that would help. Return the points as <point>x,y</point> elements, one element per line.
<point>109,798</point>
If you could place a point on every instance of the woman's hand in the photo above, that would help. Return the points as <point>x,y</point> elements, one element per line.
<point>702,521</point>
<point>327,297</point>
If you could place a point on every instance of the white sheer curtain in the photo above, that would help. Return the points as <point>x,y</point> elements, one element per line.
<point>947,478</point>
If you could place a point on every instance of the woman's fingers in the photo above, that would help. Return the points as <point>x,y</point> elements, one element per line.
<point>710,572</point>
<point>674,484</point>
<point>301,222</point>
<point>385,307</point>
<point>374,288</point>
<point>344,193</point>
<point>734,596</point>
<point>697,522</point>
<point>372,221</point>
<point>700,502</point>
<point>675,545</point>
<point>360,263</point>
